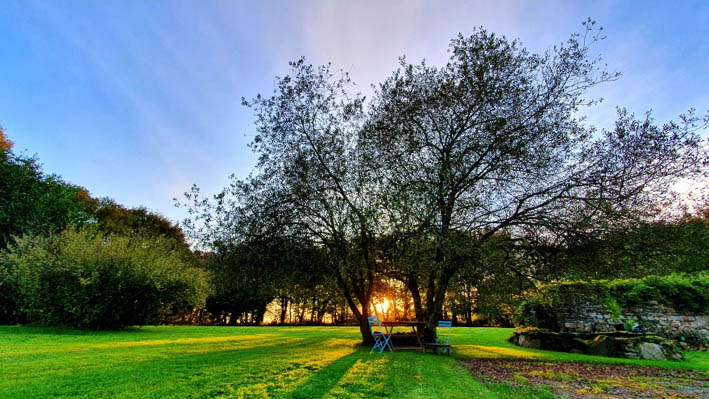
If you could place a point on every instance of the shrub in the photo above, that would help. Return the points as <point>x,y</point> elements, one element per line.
<point>84,279</point>
<point>9,312</point>
<point>613,308</point>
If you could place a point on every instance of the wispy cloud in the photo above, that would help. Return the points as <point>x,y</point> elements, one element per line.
<point>156,86</point>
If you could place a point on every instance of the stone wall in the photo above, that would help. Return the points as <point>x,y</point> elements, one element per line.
<point>655,317</point>
<point>627,345</point>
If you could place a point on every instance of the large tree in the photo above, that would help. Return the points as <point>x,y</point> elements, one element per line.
<point>493,142</point>
<point>445,160</point>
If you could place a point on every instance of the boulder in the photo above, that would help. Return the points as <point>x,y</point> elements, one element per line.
<point>650,351</point>
<point>528,342</point>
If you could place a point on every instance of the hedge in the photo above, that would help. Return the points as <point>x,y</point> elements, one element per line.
<point>85,279</point>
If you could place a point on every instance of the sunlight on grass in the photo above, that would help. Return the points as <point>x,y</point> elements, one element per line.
<point>288,371</point>
<point>493,352</point>
<point>363,378</point>
<point>293,329</point>
<point>207,340</point>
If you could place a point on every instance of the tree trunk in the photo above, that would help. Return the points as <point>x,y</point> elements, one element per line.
<point>435,298</point>
<point>367,338</point>
<point>361,317</point>
<point>313,310</point>
<point>284,309</point>
<point>260,314</point>
<point>416,297</point>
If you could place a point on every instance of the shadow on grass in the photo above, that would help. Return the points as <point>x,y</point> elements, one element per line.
<point>322,382</point>
<point>30,329</point>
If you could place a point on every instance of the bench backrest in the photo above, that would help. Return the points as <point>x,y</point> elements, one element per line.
<point>443,334</point>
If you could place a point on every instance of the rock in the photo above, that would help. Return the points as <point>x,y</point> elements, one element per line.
<point>527,342</point>
<point>622,344</point>
<point>671,350</point>
<point>650,351</point>
<point>602,346</point>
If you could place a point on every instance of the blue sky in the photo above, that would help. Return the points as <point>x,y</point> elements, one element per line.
<point>137,100</point>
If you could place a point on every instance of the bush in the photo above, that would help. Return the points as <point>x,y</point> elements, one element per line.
<point>9,314</point>
<point>613,308</point>
<point>84,279</point>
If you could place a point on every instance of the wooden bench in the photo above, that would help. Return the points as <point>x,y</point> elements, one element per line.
<point>436,347</point>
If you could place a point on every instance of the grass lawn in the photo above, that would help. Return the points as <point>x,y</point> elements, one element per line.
<point>257,362</point>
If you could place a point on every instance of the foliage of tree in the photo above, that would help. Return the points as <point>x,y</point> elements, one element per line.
<point>84,278</point>
<point>248,276</point>
<point>304,294</point>
<point>32,202</point>
<point>655,247</point>
<point>243,280</point>
<point>489,286</point>
<point>5,143</point>
<point>114,218</point>
<point>9,311</point>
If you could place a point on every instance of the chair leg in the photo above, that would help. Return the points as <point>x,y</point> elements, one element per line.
<point>385,344</point>
<point>376,345</point>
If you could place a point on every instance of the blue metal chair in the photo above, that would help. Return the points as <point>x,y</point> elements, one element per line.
<point>381,338</point>
<point>443,334</point>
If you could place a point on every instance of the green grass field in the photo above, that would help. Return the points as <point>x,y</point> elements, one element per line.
<point>255,362</point>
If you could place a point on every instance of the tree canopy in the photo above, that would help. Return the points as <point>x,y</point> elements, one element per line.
<point>32,202</point>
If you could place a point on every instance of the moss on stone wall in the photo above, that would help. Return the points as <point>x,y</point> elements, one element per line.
<point>551,306</point>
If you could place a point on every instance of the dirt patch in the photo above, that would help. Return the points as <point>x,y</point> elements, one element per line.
<point>583,380</point>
